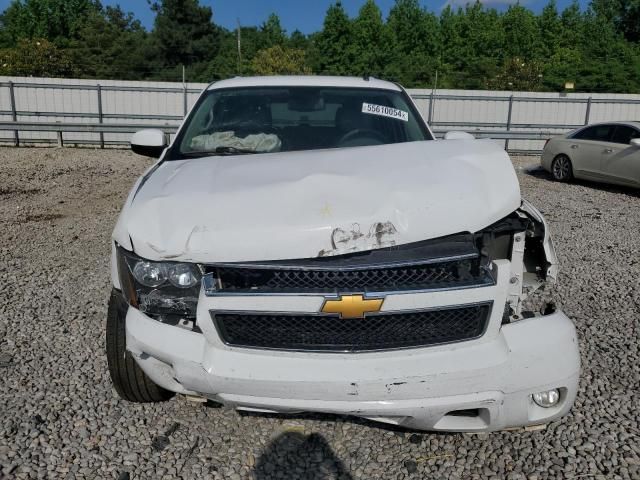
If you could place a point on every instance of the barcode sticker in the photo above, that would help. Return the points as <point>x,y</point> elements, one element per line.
<point>383,111</point>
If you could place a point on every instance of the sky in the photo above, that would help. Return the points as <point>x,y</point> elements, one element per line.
<point>304,15</point>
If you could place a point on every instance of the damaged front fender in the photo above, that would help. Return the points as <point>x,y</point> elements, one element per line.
<point>548,262</point>
<point>534,266</point>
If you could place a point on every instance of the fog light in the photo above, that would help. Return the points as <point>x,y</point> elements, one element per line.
<point>547,399</point>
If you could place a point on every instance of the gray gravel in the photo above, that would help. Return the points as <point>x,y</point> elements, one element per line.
<point>61,419</point>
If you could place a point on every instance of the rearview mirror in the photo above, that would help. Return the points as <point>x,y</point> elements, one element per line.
<point>635,142</point>
<point>150,142</point>
<point>458,135</point>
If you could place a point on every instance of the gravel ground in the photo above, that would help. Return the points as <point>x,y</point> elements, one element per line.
<point>61,419</point>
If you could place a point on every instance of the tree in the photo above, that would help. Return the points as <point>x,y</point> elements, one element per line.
<point>613,62</point>
<point>473,46</point>
<point>112,44</point>
<point>299,40</point>
<point>415,44</point>
<point>333,44</point>
<point>550,30</point>
<point>521,36</point>
<point>628,19</point>
<point>280,60</point>
<point>625,14</point>
<point>226,63</point>
<point>371,41</point>
<point>54,20</point>
<point>572,22</point>
<point>183,34</point>
<point>518,74</point>
<point>272,32</point>
<point>35,57</point>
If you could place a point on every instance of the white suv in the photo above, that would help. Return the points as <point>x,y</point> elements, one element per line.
<point>305,244</point>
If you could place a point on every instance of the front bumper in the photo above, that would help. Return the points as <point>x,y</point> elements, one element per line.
<point>479,385</point>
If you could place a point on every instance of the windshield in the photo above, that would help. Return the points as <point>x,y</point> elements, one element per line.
<point>284,119</point>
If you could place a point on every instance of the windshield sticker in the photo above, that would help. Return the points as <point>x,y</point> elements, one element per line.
<point>383,111</point>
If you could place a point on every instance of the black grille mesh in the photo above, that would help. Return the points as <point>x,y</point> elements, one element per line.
<point>457,273</point>
<point>331,333</point>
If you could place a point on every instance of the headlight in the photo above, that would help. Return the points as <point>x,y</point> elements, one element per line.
<point>184,275</point>
<point>168,290</point>
<point>150,274</point>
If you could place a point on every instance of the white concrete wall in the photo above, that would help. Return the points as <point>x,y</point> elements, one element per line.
<point>172,103</point>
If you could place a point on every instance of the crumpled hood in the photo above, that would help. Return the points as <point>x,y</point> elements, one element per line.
<point>316,203</point>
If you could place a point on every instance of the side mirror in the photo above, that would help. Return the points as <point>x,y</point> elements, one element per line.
<point>150,142</point>
<point>635,142</point>
<point>457,135</point>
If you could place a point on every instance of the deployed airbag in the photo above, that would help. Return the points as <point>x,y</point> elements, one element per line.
<point>261,142</point>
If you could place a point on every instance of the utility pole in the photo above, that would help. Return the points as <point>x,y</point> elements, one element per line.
<point>239,48</point>
<point>185,99</point>
<point>433,99</point>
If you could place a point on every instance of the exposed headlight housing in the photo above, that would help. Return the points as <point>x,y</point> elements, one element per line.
<point>164,290</point>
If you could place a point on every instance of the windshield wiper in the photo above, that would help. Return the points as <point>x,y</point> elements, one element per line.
<point>226,150</point>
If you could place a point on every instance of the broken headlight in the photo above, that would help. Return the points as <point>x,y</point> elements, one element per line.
<point>165,290</point>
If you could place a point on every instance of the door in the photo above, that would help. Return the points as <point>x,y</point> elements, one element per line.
<point>587,148</point>
<point>621,161</point>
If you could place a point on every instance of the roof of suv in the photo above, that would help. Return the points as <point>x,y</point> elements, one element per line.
<point>305,81</point>
<point>613,122</point>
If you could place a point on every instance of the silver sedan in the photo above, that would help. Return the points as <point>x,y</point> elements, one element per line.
<point>604,152</point>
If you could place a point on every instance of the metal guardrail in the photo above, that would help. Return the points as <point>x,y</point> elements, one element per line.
<point>59,128</point>
<point>102,123</point>
<point>101,128</point>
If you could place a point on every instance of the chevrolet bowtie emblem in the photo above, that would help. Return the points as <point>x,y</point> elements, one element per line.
<point>352,306</point>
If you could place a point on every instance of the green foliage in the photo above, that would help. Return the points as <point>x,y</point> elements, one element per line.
<point>272,32</point>
<point>54,20</point>
<point>35,57</point>
<point>518,74</point>
<point>521,34</point>
<point>371,42</point>
<point>628,19</point>
<point>415,44</point>
<point>279,60</point>
<point>333,45</point>
<point>112,43</point>
<point>184,34</point>
<point>473,47</point>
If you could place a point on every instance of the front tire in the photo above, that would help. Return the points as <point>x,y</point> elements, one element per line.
<point>561,169</point>
<point>128,378</point>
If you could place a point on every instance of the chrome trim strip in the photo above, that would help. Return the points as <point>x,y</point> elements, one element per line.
<point>487,320</point>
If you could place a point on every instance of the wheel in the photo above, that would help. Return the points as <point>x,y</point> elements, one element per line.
<point>561,169</point>
<point>128,378</point>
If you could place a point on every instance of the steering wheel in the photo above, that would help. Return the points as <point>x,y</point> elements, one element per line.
<point>360,133</point>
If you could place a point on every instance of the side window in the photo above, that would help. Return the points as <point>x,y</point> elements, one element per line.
<point>585,134</point>
<point>624,134</point>
<point>598,133</point>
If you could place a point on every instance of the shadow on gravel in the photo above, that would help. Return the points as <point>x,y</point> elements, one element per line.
<point>330,417</point>
<point>541,173</point>
<point>295,455</point>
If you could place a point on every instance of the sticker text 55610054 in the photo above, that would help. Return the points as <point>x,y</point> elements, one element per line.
<point>383,111</point>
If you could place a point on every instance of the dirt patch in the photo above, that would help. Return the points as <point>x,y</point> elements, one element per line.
<point>9,191</point>
<point>42,217</point>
